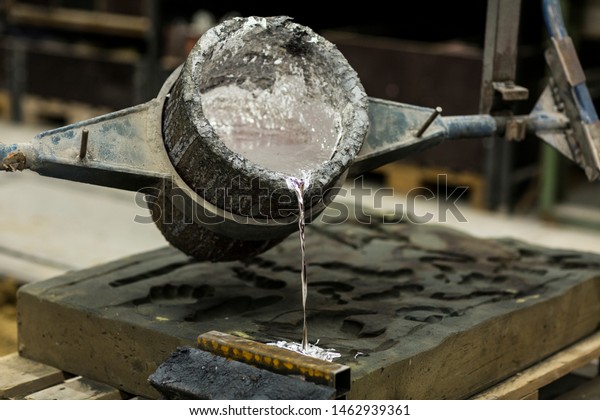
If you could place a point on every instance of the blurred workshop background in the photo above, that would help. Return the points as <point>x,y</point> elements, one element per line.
<point>63,61</point>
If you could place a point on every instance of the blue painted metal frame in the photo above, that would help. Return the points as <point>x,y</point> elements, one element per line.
<point>556,28</point>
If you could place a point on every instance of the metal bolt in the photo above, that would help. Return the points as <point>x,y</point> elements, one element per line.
<point>84,142</point>
<point>437,111</point>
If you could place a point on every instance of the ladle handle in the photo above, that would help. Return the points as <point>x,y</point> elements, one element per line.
<point>396,131</point>
<point>119,150</point>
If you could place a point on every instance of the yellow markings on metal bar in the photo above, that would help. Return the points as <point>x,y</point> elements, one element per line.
<point>276,359</point>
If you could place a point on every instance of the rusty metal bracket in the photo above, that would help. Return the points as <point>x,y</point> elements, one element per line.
<point>570,65</point>
<point>511,92</point>
<point>14,161</point>
<point>516,129</point>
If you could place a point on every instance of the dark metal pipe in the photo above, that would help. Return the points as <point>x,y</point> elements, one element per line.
<point>469,126</point>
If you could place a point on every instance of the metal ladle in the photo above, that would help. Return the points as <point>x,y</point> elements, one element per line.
<point>215,204</point>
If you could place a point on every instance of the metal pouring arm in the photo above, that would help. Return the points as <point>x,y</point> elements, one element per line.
<point>397,130</point>
<point>123,149</point>
<point>112,150</point>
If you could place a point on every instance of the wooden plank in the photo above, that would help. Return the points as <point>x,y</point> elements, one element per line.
<point>80,20</point>
<point>405,177</point>
<point>37,110</point>
<point>21,376</point>
<point>77,389</point>
<point>4,104</point>
<point>546,371</point>
<point>8,316</point>
<point>535,395</point>
<point>587,391</point>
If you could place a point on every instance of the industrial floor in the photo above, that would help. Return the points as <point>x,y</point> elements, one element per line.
<point>50,226</point>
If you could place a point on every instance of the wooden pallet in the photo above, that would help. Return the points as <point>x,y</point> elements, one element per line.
<point>24,379</point>
<point>41,111</point>
<point>403,177</point>
<point>77,19</point>
<point>526,384</point>
<point>28,380</point>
